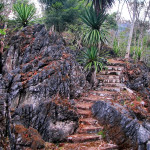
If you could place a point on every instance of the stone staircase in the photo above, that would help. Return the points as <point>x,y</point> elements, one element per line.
<point>110,86</point>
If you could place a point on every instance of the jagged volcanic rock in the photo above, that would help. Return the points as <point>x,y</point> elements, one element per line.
<point>38,66</point>
<point>138,78</point>
<point>54,122</point>
<point>122,126</point>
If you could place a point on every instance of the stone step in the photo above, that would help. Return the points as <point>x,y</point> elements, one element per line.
<point>84,113</point>
<point>112,81</point>
<point>104,94</point>
<point>93,100</point>
<point>102,148</point>
<point>109,78</point>
<point>80,138</point>
<point>102,77</point>
<point>89,129</point>
<point>111,72</point>
<point>88,121</point>
<point>116,68</point>
<point>114,85</point>
<point>115,89</point>
<point>110,147</point>
<point>95,97</point>
<point>116,62</point>
<point>93,145</point>
<point>83,105</point>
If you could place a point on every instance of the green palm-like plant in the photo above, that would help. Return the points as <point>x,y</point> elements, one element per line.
<point>95,26</point>
<point>25,12</point>
<point>89,58</point>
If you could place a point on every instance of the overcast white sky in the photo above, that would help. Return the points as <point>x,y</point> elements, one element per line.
<point>125,14</point>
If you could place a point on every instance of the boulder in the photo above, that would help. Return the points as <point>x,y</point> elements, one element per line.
<point>121,125</point>
<point>138,78</point>
<point>53,121</point>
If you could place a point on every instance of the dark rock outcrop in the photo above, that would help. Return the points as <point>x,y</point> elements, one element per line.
<point>54,122</point>
<point>40,67</point>
<point>122,126</point>
<point>37,67</point>
<point>138,78</point>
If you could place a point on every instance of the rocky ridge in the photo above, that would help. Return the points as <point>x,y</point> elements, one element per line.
<point>39,80</point>
<point>39,66</point>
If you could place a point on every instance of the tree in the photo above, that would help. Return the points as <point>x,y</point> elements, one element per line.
<point>96,33</point>
<point>131,29</point>
<point>49,3</point>
<point>61,13</point>
<point>139,25</point>
<point>144,24</point>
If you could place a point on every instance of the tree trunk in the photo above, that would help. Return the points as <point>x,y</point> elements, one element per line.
<point>142,28</point>
<point>135,43</point>
<point>131,30</point>
<point>96,4</point>
<point>91,77</point>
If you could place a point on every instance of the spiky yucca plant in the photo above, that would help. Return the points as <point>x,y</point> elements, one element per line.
<point>95,27</point>
<point>92,63</point>
<point>25,12</point>
<point>89,58</point>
